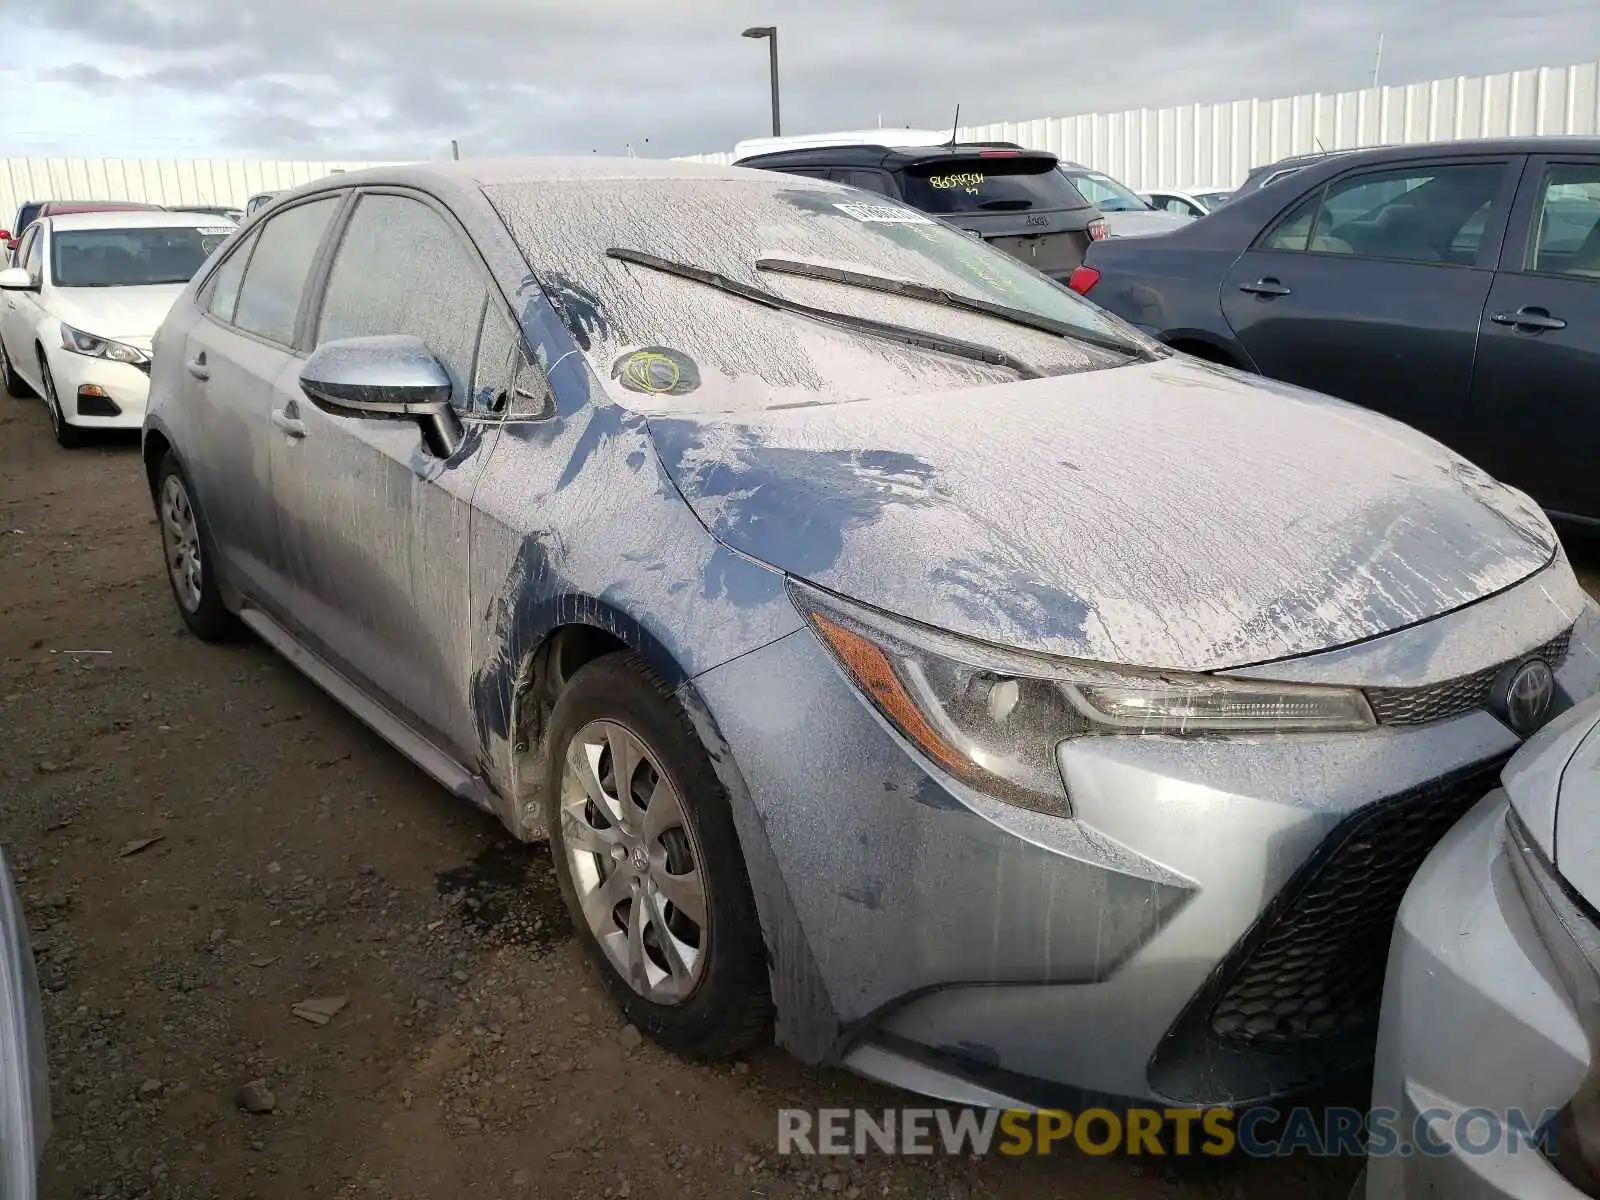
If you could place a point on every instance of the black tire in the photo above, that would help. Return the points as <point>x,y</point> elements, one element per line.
<point>730,1006</point>
<point>16,387</point>
<point>68,437</point>
<point>207,617</point>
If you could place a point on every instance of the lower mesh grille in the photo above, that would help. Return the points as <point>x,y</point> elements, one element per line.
<point>1315,964</point>
<point>1453,697</point>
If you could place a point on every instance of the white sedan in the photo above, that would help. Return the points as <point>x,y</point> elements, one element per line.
<point>1188,202</point>
<point>79,310</point>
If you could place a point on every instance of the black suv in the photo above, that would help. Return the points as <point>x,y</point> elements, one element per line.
<point>1014,199</point>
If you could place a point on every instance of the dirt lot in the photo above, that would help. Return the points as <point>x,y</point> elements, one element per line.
<point>300,858</point>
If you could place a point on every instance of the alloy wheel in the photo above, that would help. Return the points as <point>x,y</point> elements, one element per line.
<point>635,862</point>
<point>50,401</point>
<point>180,538</point>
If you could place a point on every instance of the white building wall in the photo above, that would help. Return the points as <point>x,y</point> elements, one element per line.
<point>1217,144</point>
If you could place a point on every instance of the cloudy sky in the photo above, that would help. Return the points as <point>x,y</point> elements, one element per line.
<point>359,79</point>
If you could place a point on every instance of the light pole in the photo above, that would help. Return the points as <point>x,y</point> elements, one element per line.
<point>770,32</point>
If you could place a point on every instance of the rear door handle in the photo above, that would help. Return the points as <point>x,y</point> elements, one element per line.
<point>1264,287</point>
<point>197,366</point>
<point>1529,317</point>
<point>290,425</point>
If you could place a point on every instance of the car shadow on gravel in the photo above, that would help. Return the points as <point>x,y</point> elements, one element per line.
<point>507,895</point>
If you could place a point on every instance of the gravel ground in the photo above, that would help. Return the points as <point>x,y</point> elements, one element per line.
<point>297,858</point>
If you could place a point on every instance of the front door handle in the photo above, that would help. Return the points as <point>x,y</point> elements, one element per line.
<point>1529,317</point>
<point>197,366</point>
<point>290,425</point>
<point>1264,287</point>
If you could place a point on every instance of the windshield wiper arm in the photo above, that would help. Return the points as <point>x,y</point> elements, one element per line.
<point>937,295</point>
<point>897,333</point>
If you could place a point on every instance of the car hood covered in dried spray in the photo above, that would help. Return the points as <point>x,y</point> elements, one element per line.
<point>1169,514</point>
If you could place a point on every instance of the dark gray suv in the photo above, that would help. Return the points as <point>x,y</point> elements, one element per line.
<point>1014,199</point>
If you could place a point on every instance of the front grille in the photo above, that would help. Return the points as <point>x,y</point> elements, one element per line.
<point>1313,968</point>
<point>1453,697</point>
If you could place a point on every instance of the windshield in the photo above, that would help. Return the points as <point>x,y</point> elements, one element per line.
<point>1104,192</point>
<point>977,184</point>
<point>131,257</point>
<point>745,355</point>
<point>1213,200</point>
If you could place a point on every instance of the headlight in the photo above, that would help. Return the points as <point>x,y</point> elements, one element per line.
<point>80,342</point>
<point>993,717</point>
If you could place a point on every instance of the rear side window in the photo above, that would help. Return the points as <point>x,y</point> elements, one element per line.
<point>224,285</point>
<point>402,269</point>
<point>1104,192</point>
<point>1414,214</point>
<point>976,185</point>
<point>269,297</point>
<point>871,181</point>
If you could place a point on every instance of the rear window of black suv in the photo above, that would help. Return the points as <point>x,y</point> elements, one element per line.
<point>993,182</point>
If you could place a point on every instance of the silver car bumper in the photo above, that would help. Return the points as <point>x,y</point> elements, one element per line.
<point>24,1073</point>
<point>1474,1018</point>
<point>1149,948</point>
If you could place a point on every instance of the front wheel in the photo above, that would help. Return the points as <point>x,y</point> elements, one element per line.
<point>186,549</point>
<point>68,435</point>
<point>649,863</point>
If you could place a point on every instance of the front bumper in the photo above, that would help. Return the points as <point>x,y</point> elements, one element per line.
<point>118,395</point>
<point>941,940</point>
<point>1474,1020</point>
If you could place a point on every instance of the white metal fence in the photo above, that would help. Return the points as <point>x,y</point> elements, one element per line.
<point>167,181</point>
<point>1216,144</point>
<point>1195,144</point>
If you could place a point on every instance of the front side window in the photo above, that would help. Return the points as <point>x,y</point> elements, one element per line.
<point>274,280</point>
<point>1567,235</point>
<point>499,368</point>
<point>978,184</point>
<point>402,269</point>
<point>131,257</point>
<point>1414,214</point>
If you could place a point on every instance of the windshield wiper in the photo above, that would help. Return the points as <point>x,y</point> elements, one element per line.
<point>937,295</point>
<point>896,333</point>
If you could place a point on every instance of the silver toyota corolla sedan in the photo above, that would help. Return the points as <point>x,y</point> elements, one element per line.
<point>888,642</point>
<point>1491,1012</point>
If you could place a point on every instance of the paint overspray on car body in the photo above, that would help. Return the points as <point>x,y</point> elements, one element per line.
<point>1206,521</point>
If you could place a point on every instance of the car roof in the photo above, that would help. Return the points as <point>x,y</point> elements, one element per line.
<point>51,208</point>
<point>130,219</point>
<point>846,154</point>
<point>880,139</point>
<point>1408,150</point>
<point>470,175</point>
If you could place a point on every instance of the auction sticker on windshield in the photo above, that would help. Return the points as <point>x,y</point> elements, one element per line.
<point>883,214</point>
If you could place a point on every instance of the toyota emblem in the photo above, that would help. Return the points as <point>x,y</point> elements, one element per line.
<point>1528,695</point>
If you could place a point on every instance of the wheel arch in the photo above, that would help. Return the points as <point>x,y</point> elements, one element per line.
<point>1207,346</point>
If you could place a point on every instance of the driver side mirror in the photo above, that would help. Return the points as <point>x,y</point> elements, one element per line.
<point>17,279</point>
<point>393,378</point>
